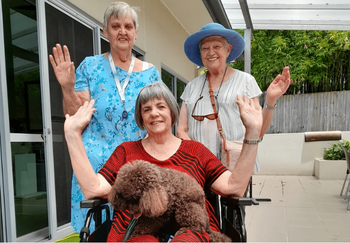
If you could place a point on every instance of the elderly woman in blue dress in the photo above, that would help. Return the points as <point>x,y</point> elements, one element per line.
<point>113,80</point>
<point>213,47</point>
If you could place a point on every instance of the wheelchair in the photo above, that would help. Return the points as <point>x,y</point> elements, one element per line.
<point>230,212</point>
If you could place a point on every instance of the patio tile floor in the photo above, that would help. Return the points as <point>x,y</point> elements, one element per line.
<point>303,209</point>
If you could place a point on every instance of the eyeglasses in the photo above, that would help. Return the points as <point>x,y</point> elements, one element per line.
<point>201,118</point>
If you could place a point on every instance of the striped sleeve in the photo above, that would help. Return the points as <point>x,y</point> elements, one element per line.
<point>210,166</point>
<point>213,166</point>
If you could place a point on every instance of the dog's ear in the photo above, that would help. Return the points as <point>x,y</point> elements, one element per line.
<point>154,202</point>
<point>114,199</point>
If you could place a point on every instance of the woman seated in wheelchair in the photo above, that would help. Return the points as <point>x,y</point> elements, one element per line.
<point>157,111</point>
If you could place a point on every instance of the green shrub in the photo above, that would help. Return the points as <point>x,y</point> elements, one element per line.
<point>335,152</point>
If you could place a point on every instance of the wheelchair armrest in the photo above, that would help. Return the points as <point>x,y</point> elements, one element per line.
<point>93,203</point>
<point>233,216</point>
<point>95,206</point>
<point>239,201</point>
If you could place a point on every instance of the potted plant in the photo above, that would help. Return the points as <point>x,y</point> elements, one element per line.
<point>335,152</point>
<point>333,164</point>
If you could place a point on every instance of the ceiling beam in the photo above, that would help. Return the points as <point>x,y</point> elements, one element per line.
<point>246,14</point>
<point>217,12</point>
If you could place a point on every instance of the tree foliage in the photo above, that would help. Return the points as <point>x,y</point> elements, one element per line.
<point>319,61</point>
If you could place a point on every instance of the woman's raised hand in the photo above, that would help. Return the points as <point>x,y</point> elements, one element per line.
<point>77,122</point>
<point>251,114</point>
<point>279,85</point>
<point>63,66</point>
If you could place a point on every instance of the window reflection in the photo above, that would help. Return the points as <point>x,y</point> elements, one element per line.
<point>61,28</point>
<point>179,90</point>
<point>104,46</point>
<point>29,181</point>
<point>167,79</point>
<point>22,67</point>
<point>176,85</point>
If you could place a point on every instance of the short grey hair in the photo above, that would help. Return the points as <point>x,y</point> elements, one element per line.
<point>120,9</point>
<point>156,90</point>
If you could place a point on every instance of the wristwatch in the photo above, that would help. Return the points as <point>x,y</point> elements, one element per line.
<point>269,107</point>
<point>252,141</point>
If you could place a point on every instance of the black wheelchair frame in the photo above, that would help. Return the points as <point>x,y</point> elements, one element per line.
<point>232,217</point>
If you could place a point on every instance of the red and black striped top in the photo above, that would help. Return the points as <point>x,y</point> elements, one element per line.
<point>192,158</point>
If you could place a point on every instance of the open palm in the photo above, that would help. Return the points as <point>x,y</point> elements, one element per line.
<point>80,119</point>
<point>250,112</point>
<point>63,66</point>
<point>279,85</point>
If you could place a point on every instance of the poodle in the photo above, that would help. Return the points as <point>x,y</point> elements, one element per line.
<point>165,200</point>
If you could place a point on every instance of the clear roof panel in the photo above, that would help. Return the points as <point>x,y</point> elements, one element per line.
<point>290,15</point>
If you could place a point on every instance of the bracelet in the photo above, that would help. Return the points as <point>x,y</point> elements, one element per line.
<point>269,107</point>
<point>252,141</point>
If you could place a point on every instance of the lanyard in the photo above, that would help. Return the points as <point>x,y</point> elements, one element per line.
<point>121,90</point>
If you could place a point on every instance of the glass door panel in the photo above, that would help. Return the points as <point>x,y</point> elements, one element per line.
<point>22,66</point>
<point>180,87</point>
<point>61,28</point>
<point>30,186</point>
<point>168,79</point>
<point>1,225</point>
<point>25,115</point>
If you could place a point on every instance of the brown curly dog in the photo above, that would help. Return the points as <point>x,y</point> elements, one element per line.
<point>168,200</point>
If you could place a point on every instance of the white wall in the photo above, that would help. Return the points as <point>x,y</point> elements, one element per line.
<point>164,26</point>
<point>289,154</point>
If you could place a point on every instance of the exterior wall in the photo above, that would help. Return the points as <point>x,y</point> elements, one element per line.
<point>162,31</point>
<point>289,154</point>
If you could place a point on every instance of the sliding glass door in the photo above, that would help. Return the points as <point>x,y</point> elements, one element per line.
<point>25,116</point>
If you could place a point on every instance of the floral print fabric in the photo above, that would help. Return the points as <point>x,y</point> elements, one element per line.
<point>106,129</point>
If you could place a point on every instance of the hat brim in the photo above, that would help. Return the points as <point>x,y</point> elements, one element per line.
<point>191,45</point>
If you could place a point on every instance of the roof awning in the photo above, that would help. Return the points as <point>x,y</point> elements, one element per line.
<point>291,15</point>
<point>278,15</point>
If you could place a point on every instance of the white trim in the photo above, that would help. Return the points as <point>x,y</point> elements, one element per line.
<point>47,123</point>
<point>38,235</point>
<point>62,231</point>
<point>26,137</point>
<point>177,76</point>
<point>7,191</point>
<point>328,6</point>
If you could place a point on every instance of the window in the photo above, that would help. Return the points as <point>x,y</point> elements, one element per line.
<point>63,29</point>
<point>175,84</point>
<point>25,116</point>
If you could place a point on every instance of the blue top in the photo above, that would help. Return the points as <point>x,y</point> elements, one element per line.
<point>106,129</point>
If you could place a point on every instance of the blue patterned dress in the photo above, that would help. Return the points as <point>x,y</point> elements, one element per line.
<point>106,129</point>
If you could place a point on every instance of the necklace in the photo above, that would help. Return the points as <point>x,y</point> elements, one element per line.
<point>121,90</point>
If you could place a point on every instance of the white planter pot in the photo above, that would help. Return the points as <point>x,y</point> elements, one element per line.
<point>330,169</point>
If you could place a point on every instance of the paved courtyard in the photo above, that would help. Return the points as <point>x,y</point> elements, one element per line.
<point>303,209</point>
